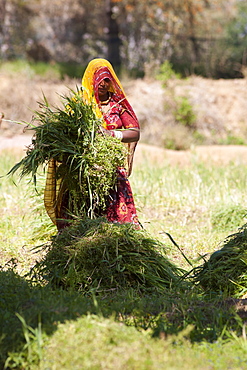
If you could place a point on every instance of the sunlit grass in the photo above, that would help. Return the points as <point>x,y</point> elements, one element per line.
<point>22,216</point>
<point>177,329</point>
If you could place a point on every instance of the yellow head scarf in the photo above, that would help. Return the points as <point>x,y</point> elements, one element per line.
<point>88,80</point>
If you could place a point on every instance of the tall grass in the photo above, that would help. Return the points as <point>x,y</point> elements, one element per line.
<point>23,222</point>
<point>127,329</point>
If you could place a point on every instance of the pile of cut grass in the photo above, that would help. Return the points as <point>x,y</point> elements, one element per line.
<point>94,255</point>
<point>226,270</point>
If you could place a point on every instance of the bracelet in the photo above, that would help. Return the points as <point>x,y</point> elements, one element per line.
<point>118,134</point>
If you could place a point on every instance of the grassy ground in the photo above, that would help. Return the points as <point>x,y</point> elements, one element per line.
<point>51,328</point>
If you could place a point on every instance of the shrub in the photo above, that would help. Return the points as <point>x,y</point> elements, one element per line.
<point>166,72</point>
<point>184,113</point>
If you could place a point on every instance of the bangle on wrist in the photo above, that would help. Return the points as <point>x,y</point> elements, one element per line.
<point>118,134</point>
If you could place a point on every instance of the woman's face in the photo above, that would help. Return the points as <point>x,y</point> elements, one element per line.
<point>104,86</point>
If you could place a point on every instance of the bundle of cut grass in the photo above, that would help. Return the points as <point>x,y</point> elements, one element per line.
<point>86,159</point>
<point>226,269</point>
<point>94,254</point>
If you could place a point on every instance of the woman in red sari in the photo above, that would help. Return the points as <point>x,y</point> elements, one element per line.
<point>101,83</point>
<point>101,86</point>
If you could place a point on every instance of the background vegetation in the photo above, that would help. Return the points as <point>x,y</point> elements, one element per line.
<point>206,37</point>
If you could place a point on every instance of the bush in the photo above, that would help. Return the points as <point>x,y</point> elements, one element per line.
<point>166,72</point>
<point>184,113</point>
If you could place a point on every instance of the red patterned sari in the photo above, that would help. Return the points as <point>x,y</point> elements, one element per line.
<point>121,206</point>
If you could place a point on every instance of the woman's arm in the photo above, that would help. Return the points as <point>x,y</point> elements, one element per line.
<point>126,136</point>
<point>129,131</point>
<point>130,135</point>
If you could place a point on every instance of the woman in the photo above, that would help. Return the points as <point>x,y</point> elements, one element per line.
<point>101,86</point>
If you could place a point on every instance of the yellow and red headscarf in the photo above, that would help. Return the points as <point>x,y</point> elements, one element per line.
<point>96,71</point>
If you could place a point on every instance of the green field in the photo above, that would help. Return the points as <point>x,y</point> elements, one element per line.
<point>180,327</point>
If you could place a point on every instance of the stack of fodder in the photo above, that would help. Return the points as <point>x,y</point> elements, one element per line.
<point>226,270</point>
<point>86,160</point>
<point>97,255</point>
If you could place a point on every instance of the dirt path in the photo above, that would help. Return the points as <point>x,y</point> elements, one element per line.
<point>15,142</point>
<point>221,154</point>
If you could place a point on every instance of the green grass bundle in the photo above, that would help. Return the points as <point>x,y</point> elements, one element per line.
<point>226,270</point>
<point>87,159</point>
<point>94,254</point>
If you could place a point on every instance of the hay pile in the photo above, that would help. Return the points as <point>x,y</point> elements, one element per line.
<point>226,270</point>
<point>96,255</point>
<point>86,159</point>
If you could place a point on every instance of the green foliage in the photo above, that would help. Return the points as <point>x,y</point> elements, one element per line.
<point>48,71</point>
<point>169,143</point>
<point>166,73</point>
<point>31,69</point>
<point>72,70</point>
<point>71,136</point>
<point>237,34</point>
<point>199,138</point>
<point>228,217</point>
<point>233,140</point>
<point>32,351</point>
<point>225,271</point>
<point>94,254</point>
<point>184,112</point>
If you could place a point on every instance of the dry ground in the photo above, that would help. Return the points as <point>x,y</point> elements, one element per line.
<point>221,154</point>
<point>220,106</point>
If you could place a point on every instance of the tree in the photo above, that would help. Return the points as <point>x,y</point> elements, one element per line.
<point>113,39</point>
<point>237,37</point>
<point>14,27</point>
